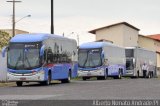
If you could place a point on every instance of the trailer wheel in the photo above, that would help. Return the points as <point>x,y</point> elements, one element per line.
<point>150,74</point>
<point>138,74</point>
<point>19,83</point>
<point>105,77</point>
<point>120,74</point>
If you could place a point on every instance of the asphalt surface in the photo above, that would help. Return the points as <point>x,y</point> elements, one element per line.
<point>85,90</point>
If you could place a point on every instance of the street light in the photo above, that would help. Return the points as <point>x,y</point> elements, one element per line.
<point>23,18</point>
<point>13,17</point>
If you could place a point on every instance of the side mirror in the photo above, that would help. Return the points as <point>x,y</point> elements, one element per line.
<point>42,50</point>
<point>4,50</point>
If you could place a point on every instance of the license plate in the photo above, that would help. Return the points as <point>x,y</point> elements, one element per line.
<point>22,79</point>
<point>88,73</point>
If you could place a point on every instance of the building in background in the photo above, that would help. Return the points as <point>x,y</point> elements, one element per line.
<point>122,34</point>
<point>126,35</point>
<point>17,31</point>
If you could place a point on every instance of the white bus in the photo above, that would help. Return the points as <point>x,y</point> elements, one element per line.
<point>101,59</point>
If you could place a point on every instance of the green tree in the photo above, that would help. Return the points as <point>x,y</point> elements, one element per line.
<point>4,39</point>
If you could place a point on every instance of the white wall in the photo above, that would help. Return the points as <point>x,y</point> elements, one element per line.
<point>121,35</point>
<point>3,68</point>
<point>114,34</point>
<point>130,36</point>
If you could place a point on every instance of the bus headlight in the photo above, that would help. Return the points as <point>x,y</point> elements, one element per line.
<point>41,72</point>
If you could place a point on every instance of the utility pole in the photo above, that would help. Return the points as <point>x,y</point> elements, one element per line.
<point>13,16</point>
<point>52,17</point>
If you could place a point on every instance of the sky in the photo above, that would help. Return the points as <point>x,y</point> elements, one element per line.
<point>80,16</point>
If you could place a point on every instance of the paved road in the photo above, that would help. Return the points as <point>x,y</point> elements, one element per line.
<point>86,90</point>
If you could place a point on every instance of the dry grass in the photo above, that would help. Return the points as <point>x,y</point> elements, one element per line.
<point>4,84</point>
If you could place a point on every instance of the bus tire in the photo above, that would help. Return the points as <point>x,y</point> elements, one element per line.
<point>19,83</point>
<point>48,82</point>
<point>68,80</point>
<point>105,76</point>
<point>149,74</point>
<point>138,74</point>
<point>120,74</point>
<point>152,75</point>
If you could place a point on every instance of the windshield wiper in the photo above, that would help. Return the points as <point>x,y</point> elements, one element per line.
<point>17,61</point>
<point>85,60</point>
<point>28,61</point>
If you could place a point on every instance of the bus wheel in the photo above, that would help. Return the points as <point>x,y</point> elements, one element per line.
<point>138,74</point>
<point>152,75</point>
<point>120,74</point>
<point>149,75</point>
<point>19,83</point>
<point>105,77</point>
<point>68,80</point>
<point>48,82</point>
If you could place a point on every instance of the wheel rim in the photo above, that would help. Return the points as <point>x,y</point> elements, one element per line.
<point>49,79</point>
<point>106,75</point>
<point>119,75</point>
<point>149,76</point>
<point>69,77</point>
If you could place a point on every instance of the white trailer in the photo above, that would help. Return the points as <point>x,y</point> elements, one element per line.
<point>135,58</point>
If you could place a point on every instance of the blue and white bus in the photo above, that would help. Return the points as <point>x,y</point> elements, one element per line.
<point>41,58</point>
<point>101,59</point>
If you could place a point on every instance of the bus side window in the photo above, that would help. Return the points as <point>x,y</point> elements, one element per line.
<point>45,55</point>
<point>49,56</point>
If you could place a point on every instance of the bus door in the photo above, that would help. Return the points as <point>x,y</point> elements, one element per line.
<point>130,66</point>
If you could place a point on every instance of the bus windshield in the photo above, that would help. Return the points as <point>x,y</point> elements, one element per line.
<point>23,56</point>
<point>89,58</point>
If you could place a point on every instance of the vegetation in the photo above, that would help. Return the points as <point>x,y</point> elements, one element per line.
<point>4,84</point>
<point>4,38</point>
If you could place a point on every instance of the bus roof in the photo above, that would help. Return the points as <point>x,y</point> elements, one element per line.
<point>34,37</point>
<point>91,45</point>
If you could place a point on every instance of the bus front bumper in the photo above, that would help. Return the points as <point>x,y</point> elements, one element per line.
<point>91,73</point>
<point>37,77</point>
